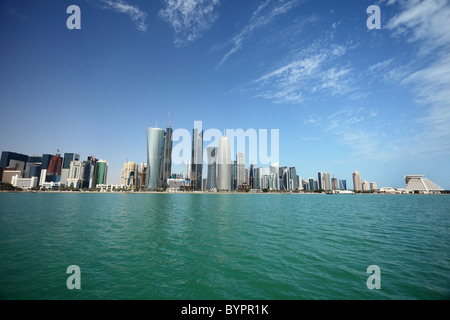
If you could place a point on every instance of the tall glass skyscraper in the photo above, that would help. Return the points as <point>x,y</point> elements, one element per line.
<point>101,172</point>
<point>240,169</point>
<point>211,153</point>
<point>326,181</point>
<point>251,179</point>
<point>197,159</point>
<point>224,165</point>
<point>320,180</point>
<point>167,166</point>
<point>155,158</point>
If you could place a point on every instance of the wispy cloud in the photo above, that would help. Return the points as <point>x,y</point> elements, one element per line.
<point>137,15</point>
<point>189,18</point>
<point>312,71</point>
<point>425,24</point>
<point>266,12</point>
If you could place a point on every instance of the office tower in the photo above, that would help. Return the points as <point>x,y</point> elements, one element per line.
<point>250,178</point>
<point>233,175</point>
<point>285,178</point>
<point>89,172</point>
<point>14,161</point>
<point>246,177</point>
<point>75,176</point>
<point>240,163</point>
<point>224,165</point>
<point>129,174</point>
<point>155,158</point>
<point>305,185</point>
<point>188,170</point>
<point>320,180</point>
<point>365,185</point>
<point>54,169</point>
<point>141,175</point>
<point>294,178</point>
<point>373,186</point>
<point>334,184</point>
<point>275,171</point>
<point>342,184</point>
<point>211,153</point>
<point>311,184</point>
<point>326,181</point>
<point>357,181</point>
<point>101,172</point>
<point>68,158</point>
<point>44,167</point>
<point>197,159</point>
<point>167,167</point>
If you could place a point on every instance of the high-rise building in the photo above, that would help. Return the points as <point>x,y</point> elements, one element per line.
<point>211,153</point>
<point>89,172</point>
<point>188,170</point>
<point>197,159</point>
<point>167,167</point>
<point>357,186</point>
<point>334,184</point>
<point>320,180</point>
<point>75,176</point>
<point>54,169</point>
<point>224,165</point>
<point>155,158</point>
<point>311,184</point>
<point>14,161</point>
<point>342,184</point>
<point>68,158</point>
<point>251,179</point>
<point>240,170</point>
<point>44,167</point>
<point>294,178</point>
<point>373,186</point>
<point>129,175</point>
<point>275,171</point>
<point>285,178</point>
<point>365,185</point>
<point>101,172</point>
<point>326,181</point>
<point>141,175</point>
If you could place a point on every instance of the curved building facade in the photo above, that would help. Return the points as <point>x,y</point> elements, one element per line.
<point>155,158</point>
<point>224,165</point>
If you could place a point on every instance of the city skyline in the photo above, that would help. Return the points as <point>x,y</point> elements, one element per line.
<point>344,98</point>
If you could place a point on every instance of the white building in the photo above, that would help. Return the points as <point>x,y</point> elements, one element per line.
<point>24,183</point>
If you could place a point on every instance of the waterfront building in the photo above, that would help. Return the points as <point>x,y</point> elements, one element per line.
<point>44,167</point>
<point>373,186</point>
<point>294,178</point>
<point>275,170</point>
<point>365,186</point>
<point>419,184</point>
<point>224,165</point>
<point>334,184</point>
<point>101,172</point>
<point>167,164</point>
<point>240,169</point>
<point>311,183</point>
<point>129,174</point>
<point>54,169</point>
<point>326,181</point>
<point>141,175</point>
<point>320,179</point>
<point>211,153</point>
<point>13,160</point>
<point>342,184</point>
<point>197,159</point>
<point>357,186</point>
<point>251,180</point>
<point>75,177</point>
<point>155,158</point>
<point>188,170</point>
<point>24,183</point>
<point>9,173</point>
<point>68,158</point>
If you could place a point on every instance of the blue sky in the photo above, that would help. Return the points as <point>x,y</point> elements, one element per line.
<point>344,97</point>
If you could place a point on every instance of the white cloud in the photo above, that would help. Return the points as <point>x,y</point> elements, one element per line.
<point>266,12</point>
<point>313,71</point>
<point>137,15</point>
<point>189,18</point>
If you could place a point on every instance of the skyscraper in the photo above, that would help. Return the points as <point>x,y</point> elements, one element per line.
<point>320,179</point>
<point>334,184</point>
<point>54,169</point>
<point>75,176</point>
<point>342,184</point>
<point>326,181</point>
<point>357,186</point>
<point>251,179</point>
<point>211,153</point>
<point>68,158</point>
<point>167,168</point>
<point>44,167</point>
<point>101,172</point>
<point>129,175</point>
<point>275,171</point>
<point>224,165</point>
<point>240,170</point>
<point>365,185</point>
<point>294,178</point>
<point>155,158</point>
<point>197,159</point>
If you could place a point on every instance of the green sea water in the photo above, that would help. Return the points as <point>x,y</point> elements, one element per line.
<point>223,246</point>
